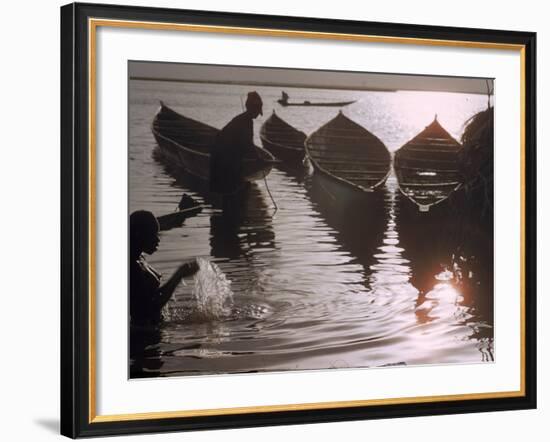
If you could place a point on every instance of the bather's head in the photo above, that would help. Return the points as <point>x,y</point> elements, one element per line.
<point>254,104</point>
<point>144,230</point>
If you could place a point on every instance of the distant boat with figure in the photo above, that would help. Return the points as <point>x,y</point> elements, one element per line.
<point>283,101</point>
<point>186,144</point>
<point>429,167</point>
<point>347,158</point>
<point>283,140</point>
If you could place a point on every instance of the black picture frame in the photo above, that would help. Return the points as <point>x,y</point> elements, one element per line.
<point>77,416</point>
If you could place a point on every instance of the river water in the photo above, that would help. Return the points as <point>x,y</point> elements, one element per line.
<point>305,287</point>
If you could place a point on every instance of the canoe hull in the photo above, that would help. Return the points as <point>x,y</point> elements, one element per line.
<point>288,155</point>
<point>448,209</point>
<point>429,168</point>
<point>195,159</point>
<point>348,158</point>
<point>185,160</point>
<point>284,141</point>
<point>338,195</point>
<point>411,201</point>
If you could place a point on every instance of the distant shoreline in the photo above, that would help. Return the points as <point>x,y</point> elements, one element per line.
<point>253,83</point>
<point>287,86</point>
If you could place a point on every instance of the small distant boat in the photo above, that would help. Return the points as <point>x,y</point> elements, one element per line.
<point>348,158</point>
<point>309,103</point>
<point>429,167</point>
<point>283,140</point>
<point>186,144</point>
<point>283,101</point>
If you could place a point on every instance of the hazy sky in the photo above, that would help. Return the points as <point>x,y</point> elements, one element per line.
<point>303,78</point>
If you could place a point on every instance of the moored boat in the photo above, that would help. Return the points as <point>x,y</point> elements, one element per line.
<point>347,158</point>
<point>283,101</point>
<point>187,144</point>
<point>283,140</point>
<point>429,167</point>
<point>318,104</point>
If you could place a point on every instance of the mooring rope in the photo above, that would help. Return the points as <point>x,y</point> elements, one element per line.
<point>270,195</point>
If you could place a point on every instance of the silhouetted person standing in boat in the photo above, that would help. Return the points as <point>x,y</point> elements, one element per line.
<point>284,98</point>
<point>233,143</point>
<point>147,295</point>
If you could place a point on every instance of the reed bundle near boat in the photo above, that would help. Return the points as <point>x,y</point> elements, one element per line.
<point>429,167</point>
<point>478,139</point>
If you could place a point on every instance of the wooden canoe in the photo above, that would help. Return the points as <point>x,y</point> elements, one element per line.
<point>284,141</point>
<point>186,144</point>
<point>429,167</point>
<point>285,103</point>
<point>347,157</point>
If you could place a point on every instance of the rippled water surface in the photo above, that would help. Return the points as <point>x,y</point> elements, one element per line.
<point>310,286</point>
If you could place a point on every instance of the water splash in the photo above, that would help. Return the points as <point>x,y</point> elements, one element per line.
<point>445,275</point>
<point>212,291</point>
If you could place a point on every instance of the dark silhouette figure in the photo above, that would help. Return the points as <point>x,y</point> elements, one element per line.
<point>145,352</point>
<point>232,144</point>
<point>147,295</point>
<point>284,98</point>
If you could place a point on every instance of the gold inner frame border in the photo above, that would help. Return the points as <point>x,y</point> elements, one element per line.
<point>93,24</point>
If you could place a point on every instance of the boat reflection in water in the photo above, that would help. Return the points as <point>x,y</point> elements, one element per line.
<point>356,222</point>
<point>451,268</point>
<point>145,352</point>
<point>242,227</point>
<point>313,287</point>
<point>239,227</point>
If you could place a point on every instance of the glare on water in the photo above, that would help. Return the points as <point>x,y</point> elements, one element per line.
<point>307,288</point>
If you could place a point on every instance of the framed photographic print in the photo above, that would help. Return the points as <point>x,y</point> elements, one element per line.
<point>279,220</point>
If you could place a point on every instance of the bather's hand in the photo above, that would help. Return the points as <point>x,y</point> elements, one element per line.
<point>188,268</point>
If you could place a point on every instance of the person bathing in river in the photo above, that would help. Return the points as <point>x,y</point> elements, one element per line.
<point>232,144</point>
<point>147,295</point>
